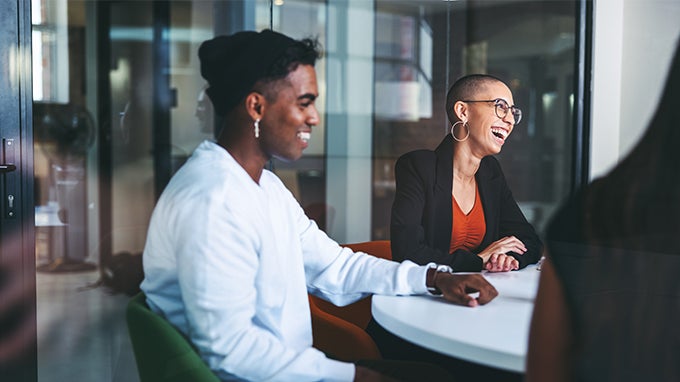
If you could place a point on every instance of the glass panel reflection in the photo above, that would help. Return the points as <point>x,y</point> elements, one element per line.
<point>533,52</point>
<point>383,80</point>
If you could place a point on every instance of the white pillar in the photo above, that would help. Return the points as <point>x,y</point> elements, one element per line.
<point>349,129</point>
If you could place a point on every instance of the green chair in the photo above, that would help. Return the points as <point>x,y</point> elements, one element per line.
<point>162,353</point>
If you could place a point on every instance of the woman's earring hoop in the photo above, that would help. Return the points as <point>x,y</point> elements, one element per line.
<point>453,127</point>
<point>257,128</point>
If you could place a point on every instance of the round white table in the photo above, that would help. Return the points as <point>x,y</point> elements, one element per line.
<point>494,335</point>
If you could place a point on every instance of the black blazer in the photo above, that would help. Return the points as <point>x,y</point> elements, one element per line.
<point>421,221</point>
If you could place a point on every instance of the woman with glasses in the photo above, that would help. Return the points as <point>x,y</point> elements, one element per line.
<point>454,211</point>
<point>453,206</point>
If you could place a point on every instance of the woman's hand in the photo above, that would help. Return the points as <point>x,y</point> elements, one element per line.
<point>501,263</point>
<point>496,258</point>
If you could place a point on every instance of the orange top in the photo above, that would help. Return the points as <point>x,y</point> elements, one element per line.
<point>467,231</point>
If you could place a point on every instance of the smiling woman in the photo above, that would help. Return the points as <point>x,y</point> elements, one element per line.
<point>452,205</point>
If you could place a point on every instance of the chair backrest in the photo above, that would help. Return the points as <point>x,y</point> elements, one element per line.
<point>340,339</point>
<point>162,353</point>
<point>340,331</point>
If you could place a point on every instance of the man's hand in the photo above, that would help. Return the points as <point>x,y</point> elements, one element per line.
<point>457,288</point>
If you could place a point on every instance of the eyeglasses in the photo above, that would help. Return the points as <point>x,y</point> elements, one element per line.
<point>502,108</point>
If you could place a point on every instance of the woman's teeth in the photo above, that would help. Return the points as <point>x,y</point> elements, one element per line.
<point>304,136</point>
<point>500,133</point>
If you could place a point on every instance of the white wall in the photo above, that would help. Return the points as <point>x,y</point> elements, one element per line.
<point>633,42</point>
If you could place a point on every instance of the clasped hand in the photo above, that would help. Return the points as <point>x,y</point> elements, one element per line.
<point>496,258</point>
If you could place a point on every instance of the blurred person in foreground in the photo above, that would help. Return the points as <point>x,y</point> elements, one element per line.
<point>608,303</point>
<point>230,255</point>
<point>17,311</point>
<point>452,205</point>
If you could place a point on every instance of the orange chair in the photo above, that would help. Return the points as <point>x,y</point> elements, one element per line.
<point>340,332</point>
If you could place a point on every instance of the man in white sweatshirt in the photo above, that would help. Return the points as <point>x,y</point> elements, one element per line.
<point>230,255</point>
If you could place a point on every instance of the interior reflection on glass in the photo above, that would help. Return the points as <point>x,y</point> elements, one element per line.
<point>64,133</point>
<point>118,96</point>
<point>422,48</point>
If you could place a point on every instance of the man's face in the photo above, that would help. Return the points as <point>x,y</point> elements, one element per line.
<point>287,122</point>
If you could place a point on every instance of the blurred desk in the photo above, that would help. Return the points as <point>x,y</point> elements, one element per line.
<point>47,216</point>
<point>50,243</point>
<point>494,335</point>
<point>49,234</point>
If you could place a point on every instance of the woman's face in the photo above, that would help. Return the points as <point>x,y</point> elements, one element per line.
<point>488,132</point>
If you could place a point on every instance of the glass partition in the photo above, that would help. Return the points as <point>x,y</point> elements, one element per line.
<point>120,105</point>
<point>421,48</point>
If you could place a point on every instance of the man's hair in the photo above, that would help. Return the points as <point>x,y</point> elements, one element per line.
<point>301,52</point>
<point>466,88</point>
<point>234,64</point>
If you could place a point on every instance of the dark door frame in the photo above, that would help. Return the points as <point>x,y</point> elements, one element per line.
<point>105,167</point>
<point>162,102</point>
<point>18,358</point>
<point>582,90</point>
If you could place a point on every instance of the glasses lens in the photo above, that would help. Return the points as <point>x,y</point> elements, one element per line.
<point>517,114</point>
<point>501,108</point>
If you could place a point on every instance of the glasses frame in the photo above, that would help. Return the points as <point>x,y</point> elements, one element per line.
<point>500,103</point>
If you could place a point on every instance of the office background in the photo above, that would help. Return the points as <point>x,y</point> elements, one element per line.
<point>119,105</point>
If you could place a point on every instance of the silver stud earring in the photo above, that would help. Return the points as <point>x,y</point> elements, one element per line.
<point>257,128</point>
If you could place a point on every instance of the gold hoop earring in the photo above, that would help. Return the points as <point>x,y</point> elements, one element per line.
<point>257,128</point>
<point>453,127</point>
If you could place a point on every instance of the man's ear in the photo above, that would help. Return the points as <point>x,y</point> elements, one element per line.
<point>255,105</point>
